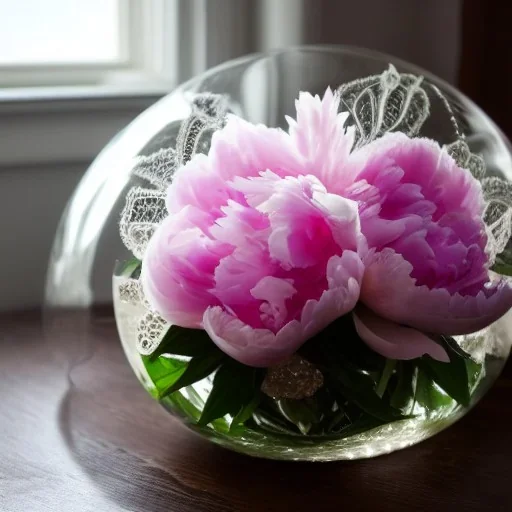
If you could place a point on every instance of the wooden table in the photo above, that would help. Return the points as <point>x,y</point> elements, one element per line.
<point>95,441</point>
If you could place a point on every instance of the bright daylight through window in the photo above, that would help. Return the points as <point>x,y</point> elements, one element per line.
<point>59,32</point>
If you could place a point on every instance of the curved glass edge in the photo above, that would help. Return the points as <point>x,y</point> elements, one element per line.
<point>187,404</point>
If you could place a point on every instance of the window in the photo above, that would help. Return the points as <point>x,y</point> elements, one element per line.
<point>60,32</point>
<point>86,42</point>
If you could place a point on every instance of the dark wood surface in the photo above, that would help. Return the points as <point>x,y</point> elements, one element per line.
<point>93,440</point>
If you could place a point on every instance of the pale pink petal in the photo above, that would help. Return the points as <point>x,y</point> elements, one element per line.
<point>253,347</point>
<point>274,293</point>
<point>307,228</point>
<point>396,160</point>
<point>390,291</point>
<point>240,223</point>
<point>242,149</point>
<point>261,347</point>
<point>306,221</point>
<point>257,189</point>
<point>178,267</point>
<point>343,218</point>
<point>344,277</point>
<point>197,184</point>
<point>238,273</point>
<point>392,340</point>
<point>320,136</point>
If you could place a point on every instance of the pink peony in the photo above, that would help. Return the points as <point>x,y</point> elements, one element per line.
<point>256,250</point>
<point>266,235</point>
<point>427,267</point>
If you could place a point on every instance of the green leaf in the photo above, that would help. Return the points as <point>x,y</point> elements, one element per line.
<point>359,388</point>
<point>452,377</point>
<point>456,377</point>
<point>403,393</point>
<point>505,269</point>
<point>503,264</point>
<point>363,424</point>
<point>185,342</point>
<point>428,395</point>
<point>234,387</point>
<point>302,413</point>
<point>194,343</point>
<point>197,369</point>
<point>272,422</point>
<point>451,346</point>
<point>475,372</point>
<point>169,375</point>
<point>349,365</point>
<point>130,268</point>
<point>246,411</point>
<point>163,372</point>
<point>386,374</point>
<point>341,338</point>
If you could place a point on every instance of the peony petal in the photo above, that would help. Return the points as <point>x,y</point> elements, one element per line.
<point>320,135</point>
<point>307,223</point>
<point>420,203</point>
<point>178,267</point>
<point>253,347</point>
<point>392,340</point>
<point>344,277</point>
<point>242,149</point>
<point>396,158</point>
<point>239,224</point>
<point>390,291</point>
<point>197,184</point>
<point>261,347</point>
<point>274,292</point>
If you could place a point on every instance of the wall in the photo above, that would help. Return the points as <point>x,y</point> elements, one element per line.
<point>32,199</point>
<point>45,148</point>
<point>426,33</point>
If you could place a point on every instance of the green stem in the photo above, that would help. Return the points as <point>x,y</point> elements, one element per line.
<point>388,370</point>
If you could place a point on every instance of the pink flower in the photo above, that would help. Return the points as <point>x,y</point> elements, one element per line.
<point>427,268</point>
<point>263,244</point>
<point>256,250</point>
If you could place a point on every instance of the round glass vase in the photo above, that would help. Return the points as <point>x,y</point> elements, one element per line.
<point>261,89</point>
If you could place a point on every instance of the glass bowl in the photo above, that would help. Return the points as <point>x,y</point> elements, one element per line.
<point>262,89</point>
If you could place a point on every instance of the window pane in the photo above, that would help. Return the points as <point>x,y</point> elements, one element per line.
<point>59,31</point>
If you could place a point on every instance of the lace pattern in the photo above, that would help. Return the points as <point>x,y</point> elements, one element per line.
<point>394,101</point>
<point>144,210</point>
<point>382,103</point>
<point>145,207</point>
